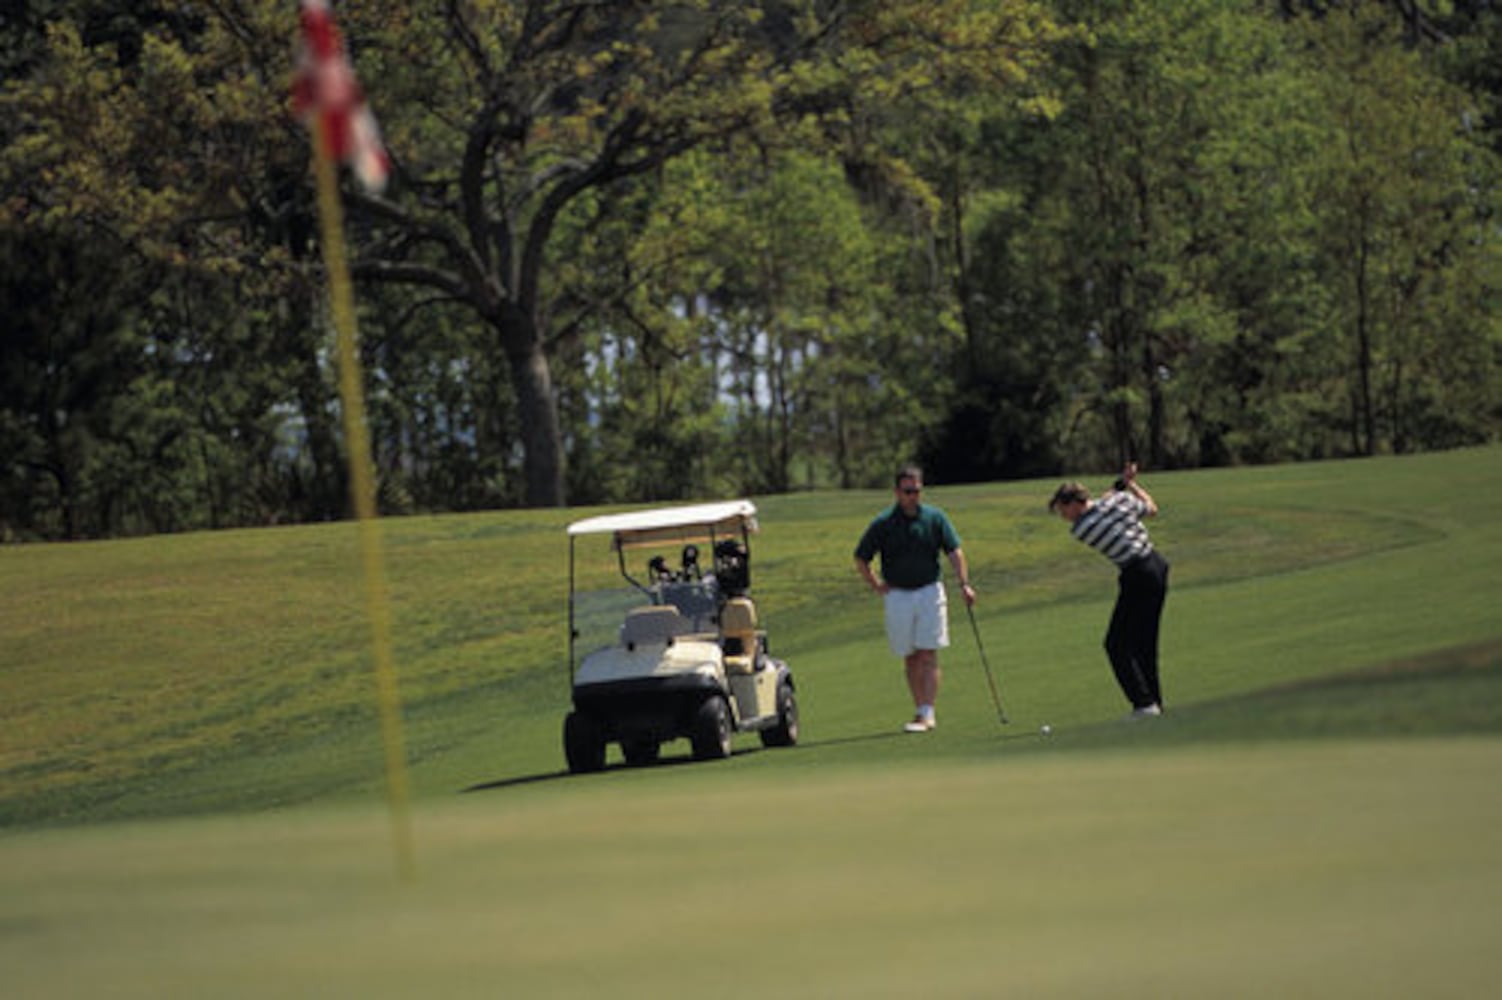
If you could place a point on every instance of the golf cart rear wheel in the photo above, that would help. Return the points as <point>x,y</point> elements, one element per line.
<point>785,732</point>
<point>711,733</point>
<point>640,752</point>
<point>583,743</point>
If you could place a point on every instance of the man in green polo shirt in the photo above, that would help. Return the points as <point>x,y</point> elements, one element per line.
<point>909,537</point>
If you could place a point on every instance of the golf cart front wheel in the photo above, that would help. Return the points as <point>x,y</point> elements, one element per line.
<point>785,732</point>
<point>583,743</point>
<point>711,733</point>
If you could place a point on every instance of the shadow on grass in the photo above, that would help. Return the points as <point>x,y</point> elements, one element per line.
<point>673,761</point>
<point>564,775</point>
<point>526,779</point>
<point>839,741</point>
<point>1453,692</point>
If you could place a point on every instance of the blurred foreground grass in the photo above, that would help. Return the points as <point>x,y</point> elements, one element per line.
<point>1340,869</point>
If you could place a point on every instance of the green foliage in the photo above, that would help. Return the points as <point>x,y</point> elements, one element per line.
<point>1403,193</point>
<point>657,250</point>
<point>1193,314</point>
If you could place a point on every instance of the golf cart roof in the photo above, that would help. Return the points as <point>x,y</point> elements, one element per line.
<point>645,527</point>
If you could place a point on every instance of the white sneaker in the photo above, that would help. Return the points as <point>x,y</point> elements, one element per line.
<point>919,725</point>
<point>1147,712</point>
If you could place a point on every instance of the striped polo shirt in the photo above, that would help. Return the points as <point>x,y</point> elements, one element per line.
<point>1112,525</point>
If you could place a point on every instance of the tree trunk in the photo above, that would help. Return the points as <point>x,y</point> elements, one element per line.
<point>1365,420</point>
<point>62,474</point>
<point>328,491</point>
<point>1156,417</point>
<point>537,405</point>
<point>1121,378</point>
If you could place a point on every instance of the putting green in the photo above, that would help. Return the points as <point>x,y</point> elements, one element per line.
<point>1361,868</point>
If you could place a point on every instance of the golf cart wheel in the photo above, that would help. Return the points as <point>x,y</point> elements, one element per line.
<point>711,733</point>
<point>641,752</point>
<point>583,743</point>
<point>785,733</point>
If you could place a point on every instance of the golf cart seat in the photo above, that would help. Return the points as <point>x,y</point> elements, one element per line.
<point>656,624</point>
<point>741,639</point>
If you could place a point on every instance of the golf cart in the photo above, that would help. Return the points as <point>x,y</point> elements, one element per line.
<point>675,651</point>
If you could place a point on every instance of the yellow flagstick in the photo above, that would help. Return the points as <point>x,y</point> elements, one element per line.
<point>362,491</point>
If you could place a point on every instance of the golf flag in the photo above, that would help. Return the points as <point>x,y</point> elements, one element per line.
<point>325,91</point>
<point>328,97</point>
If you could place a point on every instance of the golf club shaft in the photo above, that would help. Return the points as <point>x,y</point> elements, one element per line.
<point>985,663</point>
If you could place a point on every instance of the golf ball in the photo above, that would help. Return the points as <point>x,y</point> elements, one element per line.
<point>1046,729</point>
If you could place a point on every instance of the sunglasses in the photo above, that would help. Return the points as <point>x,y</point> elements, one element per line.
<point>911,491</point>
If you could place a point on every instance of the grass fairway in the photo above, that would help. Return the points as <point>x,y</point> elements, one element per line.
<point>1333,869</point>
<point>190,771</point>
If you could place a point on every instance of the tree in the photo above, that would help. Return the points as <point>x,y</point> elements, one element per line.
<point>642,401</point>
<point>65,354</point>
<point>927,159</point>
<point>502,116</point>
<point>513,112</point>
<point>1121,191</point>
<point>1403,223</point>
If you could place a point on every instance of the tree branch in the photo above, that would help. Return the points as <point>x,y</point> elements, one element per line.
<point>395,272</point>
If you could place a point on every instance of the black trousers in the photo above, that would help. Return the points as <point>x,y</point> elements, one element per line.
<point>1132,639</point>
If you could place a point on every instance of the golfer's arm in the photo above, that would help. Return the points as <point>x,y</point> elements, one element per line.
<point>1144,496</point>
<point>863,567</point>
<point>1129,482</point>
<point>961,567</point>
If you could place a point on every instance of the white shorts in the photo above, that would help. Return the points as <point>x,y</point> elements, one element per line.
<point>917,619</point>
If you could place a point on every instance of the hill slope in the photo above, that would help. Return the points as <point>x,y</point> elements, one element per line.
<point>206,672</point>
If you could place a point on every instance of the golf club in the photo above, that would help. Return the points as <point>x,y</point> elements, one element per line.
<point>1000,712</point>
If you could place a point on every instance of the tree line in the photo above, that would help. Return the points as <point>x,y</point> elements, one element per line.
<point>643,250</point>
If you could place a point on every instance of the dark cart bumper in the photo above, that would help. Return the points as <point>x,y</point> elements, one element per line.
<point>658,708</point>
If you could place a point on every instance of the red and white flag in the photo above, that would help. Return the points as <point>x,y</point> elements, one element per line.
<point>325,89</point>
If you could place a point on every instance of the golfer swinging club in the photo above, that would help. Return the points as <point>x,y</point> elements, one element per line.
<point>909,537</point>
<point>1113,526</point>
